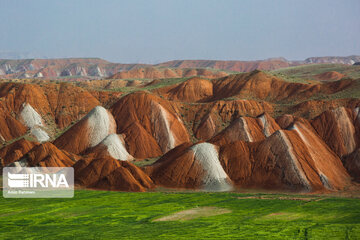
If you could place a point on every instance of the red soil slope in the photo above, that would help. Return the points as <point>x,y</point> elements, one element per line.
<point>245,147</point>
<point>10,128</point>
<point>267,87</point>
<point>247,129</point>
<point>332,75</point>
<point>337,129</point>
<point>110,174</point>
<point>192,90</point>
<point>61,104</point>
<point>149,124</point>
<point>212,116</point>
<point>13,152</point>
<point>191,166</point>
<point>88,132</point>
<point>47,155</point>
<point>294,160</point>
<point>313,108</point>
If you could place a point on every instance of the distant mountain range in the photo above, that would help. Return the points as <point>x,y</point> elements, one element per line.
<point>99,68</point>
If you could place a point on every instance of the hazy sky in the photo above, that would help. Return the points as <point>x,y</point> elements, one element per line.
<point>152,31</point>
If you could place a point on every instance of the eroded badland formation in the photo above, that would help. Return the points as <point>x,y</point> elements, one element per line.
<point>186,124</point>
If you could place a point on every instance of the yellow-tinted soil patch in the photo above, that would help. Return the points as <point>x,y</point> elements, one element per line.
<point>194,213</point>
<point>282,216</point>
<point>282,198</point>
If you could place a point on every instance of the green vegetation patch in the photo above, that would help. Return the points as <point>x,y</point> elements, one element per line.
<point>119,215</point>
<point>145,162</point>
<point>308,72</point>
<point>162,83</point>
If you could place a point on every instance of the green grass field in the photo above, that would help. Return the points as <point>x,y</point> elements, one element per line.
<point>117,215</point>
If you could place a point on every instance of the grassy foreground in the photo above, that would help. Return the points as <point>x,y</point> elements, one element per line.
<point>117,215</point>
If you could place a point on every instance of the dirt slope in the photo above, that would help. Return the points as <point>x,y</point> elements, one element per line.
<point>191,166</point>
<point>48,155</point>
<point>332,75</point>
<point>263,86</point>
<point>149,124</point>
<point>88,132</point>
<point>13,152</point>
<point>337,129</point>
<point>296,160</point>
<point>110,174</point>
<point>192,90</point>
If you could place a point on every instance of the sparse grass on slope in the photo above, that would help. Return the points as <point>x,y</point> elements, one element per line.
<point>350,92</point>
<point>117,215</point>
<point>162,83</point>
<point>145,162</point>
<point>307,72</point>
